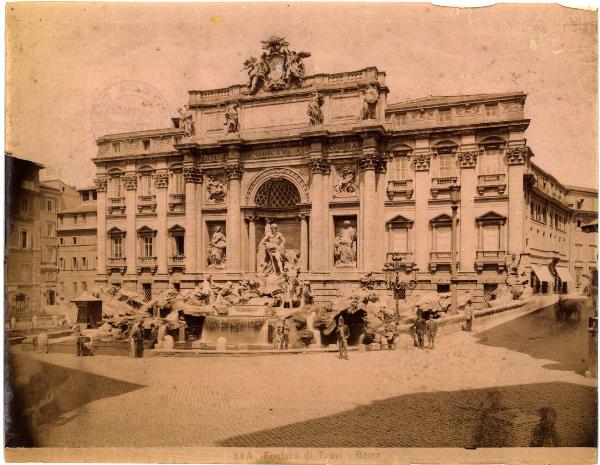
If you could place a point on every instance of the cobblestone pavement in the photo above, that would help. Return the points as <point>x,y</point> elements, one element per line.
<point>374,399</point>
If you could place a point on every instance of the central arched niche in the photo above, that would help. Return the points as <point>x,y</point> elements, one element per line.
<point>277,193</point>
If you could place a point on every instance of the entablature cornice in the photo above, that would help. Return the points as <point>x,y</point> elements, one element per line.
<point>152,157</point>
<point>515,126</point>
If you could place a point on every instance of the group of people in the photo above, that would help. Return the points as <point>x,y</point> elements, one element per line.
<point>425,327</point>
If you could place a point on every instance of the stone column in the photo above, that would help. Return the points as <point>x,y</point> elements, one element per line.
<point>251,243</point>
<point>516,157</point>
<point>381,169</point>
<point>304,240</point>
<point>101,227</point>
<point>369,235</point>
<point>421,163</point>
<point>468,234</point>
<point>234,236</point>
<point>161,183</point>
<point>193,177</point>
<point>130,183</point>
<point>318,233</point>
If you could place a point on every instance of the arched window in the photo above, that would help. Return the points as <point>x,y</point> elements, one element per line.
<point>277,193</point>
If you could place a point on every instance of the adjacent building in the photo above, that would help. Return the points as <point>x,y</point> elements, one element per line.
<point>351,181</point>
<point>77,246</point>
<point>22,238</point>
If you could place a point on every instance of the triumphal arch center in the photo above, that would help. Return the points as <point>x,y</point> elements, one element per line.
<point>319,170</point>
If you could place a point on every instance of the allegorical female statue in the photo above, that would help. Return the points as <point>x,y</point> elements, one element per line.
<point>270,251</point>
<point>315,114</point>
<point>345,246</point>
<point>217,248</point>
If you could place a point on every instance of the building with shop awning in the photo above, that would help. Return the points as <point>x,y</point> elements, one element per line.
<point>564,274</point>
<point>543,273</point>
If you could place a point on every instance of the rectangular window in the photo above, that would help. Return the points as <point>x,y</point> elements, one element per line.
<point>74,263</point>
<point>399,239</point>
<point>179,245</point>
<point>51,230</point>
<point>146,185</point>
<point>577,276</point>
<point>177,183</point>
<point>402,168</point>
<point>74,286</point>
<point>147,246</point>
<point>74,219</point>
<point>445,115</point>
<point>445,166</point>
<point>177,139</point>
<point>117,247</point>
<point>94,195</point>
<point>61,263</point>
<point>25,272</point>
<point>24,203</point>
<point>85,196</point>
<point>62,288</point>
<point>491,237</point>
<point>83,218</point>
<point>593,253</point>
<point>490,162</point>
<point>83,263</point>
<point>84,286</point>
<point>491,110</point>
<point>443,236</point>
<point>50,206</point>
<point>116,146</point>
<point>114,187</point>
<point>146,144</point>
<point>74,241</point>
<point>50,254</point>
<point>25,239</point>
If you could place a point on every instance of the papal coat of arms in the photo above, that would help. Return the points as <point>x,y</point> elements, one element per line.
<point>278,68</point>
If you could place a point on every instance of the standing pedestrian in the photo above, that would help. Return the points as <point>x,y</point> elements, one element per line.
<point>153,336</point>
<point>133,330</point>
<point>285,334</point>
<point>469,316</point>
<point>420,327</point>
<point>79,339</point>
<point>431,328</point>
<point>139,341</point>
<point>343,335</point>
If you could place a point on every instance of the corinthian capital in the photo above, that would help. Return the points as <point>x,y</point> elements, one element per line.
<point>161,180</point>
<point>468,159</point>
<point>518,155</point>
<point>421,162</point>
<point>129,182</point>
<point>100,184</point>
<point>191,174</point>
<point>320,166</point>
<point>234,171</point>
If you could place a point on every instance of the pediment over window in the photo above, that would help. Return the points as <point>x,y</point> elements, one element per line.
<point>146,231</point>
<point>176,229</point>
<point>443,219</point>
<point>399,222</point>
<point>491,217</point>
<point>114,231</point>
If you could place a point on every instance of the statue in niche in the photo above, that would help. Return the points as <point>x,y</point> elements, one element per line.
<point>346,181</point>
<point>186,121</point>
<point>370,99</point>
<point>271,251</point>
<point>217,248</point>
<point>216,189</point>
<point>315,114</point>
<point>345,245</point>
<point>232,120</point>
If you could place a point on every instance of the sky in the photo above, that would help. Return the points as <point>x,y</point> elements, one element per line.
<point>75,71</point>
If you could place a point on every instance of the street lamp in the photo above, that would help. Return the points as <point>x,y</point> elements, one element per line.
<point>455,199</point>
<point>391,273</point>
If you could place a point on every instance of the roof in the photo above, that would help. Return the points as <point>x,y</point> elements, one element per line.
<point>451,99</point>
<point>149,132</point>
<point>85,297</point>
<point>39,165</point>
<point>80,209</point>
<point>591,190</point>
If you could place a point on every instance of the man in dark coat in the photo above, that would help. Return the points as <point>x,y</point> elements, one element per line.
<point>343,335</point>
<point>138,339</point>
<point>420,327</point>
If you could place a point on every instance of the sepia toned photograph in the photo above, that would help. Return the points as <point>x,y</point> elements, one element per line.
<point>308,233</point>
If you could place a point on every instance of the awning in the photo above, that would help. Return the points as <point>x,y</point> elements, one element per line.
<point>543,273</point>
<point>564,274</point>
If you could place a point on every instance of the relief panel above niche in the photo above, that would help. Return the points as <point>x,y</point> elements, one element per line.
<point>275,115</point>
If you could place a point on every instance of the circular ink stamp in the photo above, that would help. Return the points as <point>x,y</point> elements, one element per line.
<point>128,106</point>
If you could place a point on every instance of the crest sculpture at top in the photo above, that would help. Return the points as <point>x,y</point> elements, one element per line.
<point>278,68</point>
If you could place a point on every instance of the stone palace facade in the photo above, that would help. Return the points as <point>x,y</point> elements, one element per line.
<point>349,179</point>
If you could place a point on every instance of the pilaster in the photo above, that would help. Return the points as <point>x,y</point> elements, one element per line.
<point>421,162</point>
<point>130,184</point>
<point>516,158</point>
<point>101,227</point>
<point>161,183</point>
<point>468,232</point>
<point>234,174</point>
<point>193,177</point>
<point>319,228</point>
